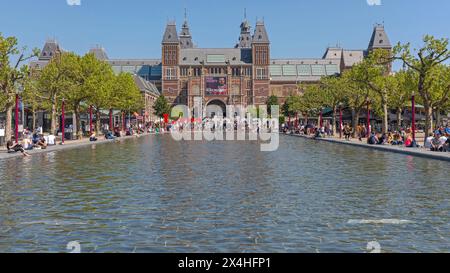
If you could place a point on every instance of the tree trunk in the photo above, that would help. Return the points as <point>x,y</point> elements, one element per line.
<point>428,119</point>
<point>399,119</point>
<point>77,122</point>
<point>333,125</point>
<point>355,121</point>
<point>438,117</point>
<point>98,122</point>
<point>385,123</point>
<point>8,125</point>
<point>34,119</point>
<point>54,116</point>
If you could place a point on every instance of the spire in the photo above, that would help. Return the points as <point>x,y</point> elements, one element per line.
<point>245,38</point>
<point>379,38</point>
<point>260,35</point>
<point>170,35</point>
<point>185,35</point>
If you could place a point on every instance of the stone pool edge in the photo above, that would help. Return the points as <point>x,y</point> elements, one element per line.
<point>4,155</point>
<point>392,149</point>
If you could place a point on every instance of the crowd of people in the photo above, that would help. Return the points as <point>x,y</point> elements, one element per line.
<point>30,141</point>
<point>438,141</point>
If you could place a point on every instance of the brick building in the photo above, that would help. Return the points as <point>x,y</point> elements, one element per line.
<point>241,75</point>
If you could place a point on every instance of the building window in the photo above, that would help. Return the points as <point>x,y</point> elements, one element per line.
<point>170,73</point>
<point>184,71</point>
<point>197,72</point>
<point>236,71</point>
<point>261,73</point>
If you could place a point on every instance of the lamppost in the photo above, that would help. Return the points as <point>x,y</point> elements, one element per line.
<point>413,127</point>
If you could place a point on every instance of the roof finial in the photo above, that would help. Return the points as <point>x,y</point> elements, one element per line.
<point>245,13</point>
<point>185,14</point>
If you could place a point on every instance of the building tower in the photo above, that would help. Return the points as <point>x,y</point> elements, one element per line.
<point>245,39</point>
<point>185,35</point>
<point>261,62</point>
<point>380,40</point>
<point>50,50</point>
<point>170,61</point>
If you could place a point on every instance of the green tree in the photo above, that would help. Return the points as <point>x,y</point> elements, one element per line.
<point>30,98</point>
<point>12,75</point>
<point>272,100</point>
<point>161,106</point>
<point>440,90</point>
<point>402,86</point>
<point>356,96</point>
<point>126,94</point>
<point>424,61</point>
<point>372,73</point>
<point>99,84</point>
<point>328,93</point>
<point>54,81</point>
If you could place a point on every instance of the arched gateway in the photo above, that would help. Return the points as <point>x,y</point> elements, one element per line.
<point>216,108</point>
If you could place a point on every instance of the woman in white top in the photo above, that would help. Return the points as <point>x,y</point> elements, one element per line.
<point>428,141</point>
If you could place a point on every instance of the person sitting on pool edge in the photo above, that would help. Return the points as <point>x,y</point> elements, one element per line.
<point>109,135</point>
<point>93,138</point>
<point>436,145</point>
<point>42,143</point>
<point>15,148</point>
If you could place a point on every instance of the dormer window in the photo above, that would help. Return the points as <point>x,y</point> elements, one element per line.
<point>381,41</point>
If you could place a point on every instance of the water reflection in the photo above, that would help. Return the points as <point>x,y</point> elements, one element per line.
<point>155,195</point>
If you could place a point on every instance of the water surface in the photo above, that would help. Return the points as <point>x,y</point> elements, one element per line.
<point>153,194</point>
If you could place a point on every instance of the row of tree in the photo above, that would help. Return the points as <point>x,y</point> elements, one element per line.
<point>425,74</point>
<point>80,81</point>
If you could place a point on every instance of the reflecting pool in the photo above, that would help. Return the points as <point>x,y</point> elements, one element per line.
<point>153,194</point>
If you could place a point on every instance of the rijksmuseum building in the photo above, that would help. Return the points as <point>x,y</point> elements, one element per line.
<point>244,74</point>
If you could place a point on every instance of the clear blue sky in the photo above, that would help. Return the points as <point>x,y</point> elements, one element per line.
<point>297,28</point>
